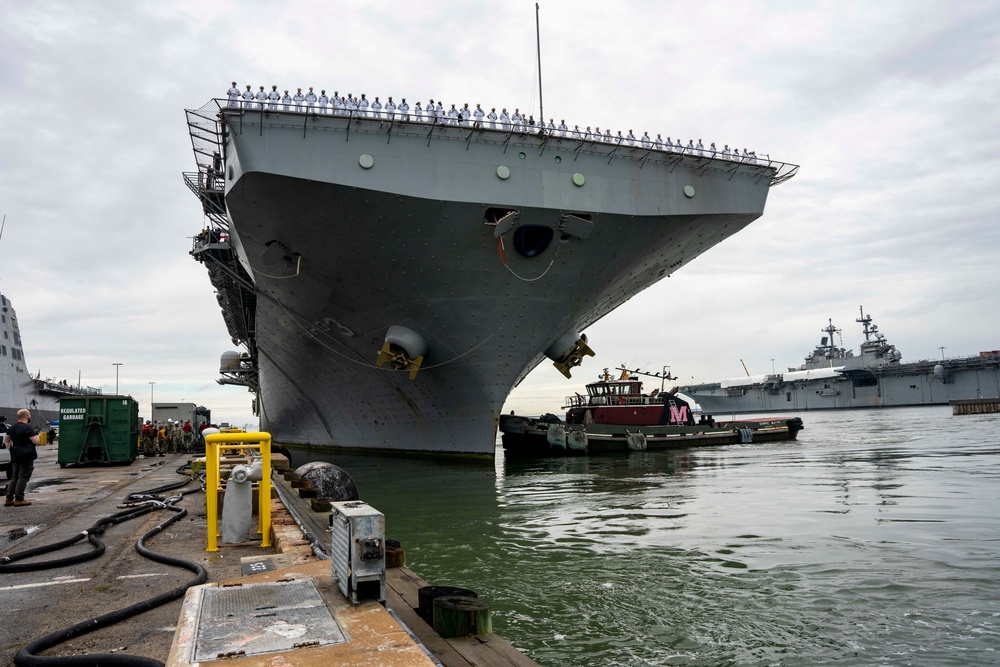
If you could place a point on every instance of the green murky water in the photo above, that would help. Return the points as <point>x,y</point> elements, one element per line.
<point>873,539</point>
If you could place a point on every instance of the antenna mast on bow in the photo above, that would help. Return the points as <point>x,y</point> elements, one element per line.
<point>538,38</point>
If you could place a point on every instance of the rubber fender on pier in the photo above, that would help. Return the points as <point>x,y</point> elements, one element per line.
<point>329,481</point>
<point>556,436</point>
<point>576,441</point>
<point>636,442</point>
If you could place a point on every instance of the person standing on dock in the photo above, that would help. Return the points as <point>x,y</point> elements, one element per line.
<point>20,439</point>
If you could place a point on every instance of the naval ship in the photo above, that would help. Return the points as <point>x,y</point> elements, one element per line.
<point>391,281</point>
<point>834,377</point>
<point>18,388</point>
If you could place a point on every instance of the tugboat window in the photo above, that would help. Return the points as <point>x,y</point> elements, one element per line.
<point>532,240</point>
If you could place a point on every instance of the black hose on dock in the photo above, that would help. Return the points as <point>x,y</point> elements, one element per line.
<point>27,656</point>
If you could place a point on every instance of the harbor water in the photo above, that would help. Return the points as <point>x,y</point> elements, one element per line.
<point>872,540</point>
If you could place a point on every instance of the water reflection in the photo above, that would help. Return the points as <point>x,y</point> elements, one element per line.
<point>871,540</point>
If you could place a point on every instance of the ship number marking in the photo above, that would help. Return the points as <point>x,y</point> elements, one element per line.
<point>328,324</point>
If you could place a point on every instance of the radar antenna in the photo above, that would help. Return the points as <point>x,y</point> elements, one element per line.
<point>869,329</point>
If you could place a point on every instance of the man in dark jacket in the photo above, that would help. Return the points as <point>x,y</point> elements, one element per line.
<point>20,439</point>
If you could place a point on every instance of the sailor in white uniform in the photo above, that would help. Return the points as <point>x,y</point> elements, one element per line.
<point>453,115</point>
<point>287,101</point>
<point>658,143</point>
<point>352,105</point>
<point>608,138</point>
<point>390,110</point>
<point>337,103</point>
<point>562,128</point>
<point>273,98</point>
<point>551,127</point>
<point>725,152</point>
<point>404,110</point>
<point>478,115</point>
<point>712,151</point>
<point>517,120</point>
<point>247,98</point>
<point>504,121</point>
<point>261,98</point>
<point>492,117</point>
<point>323,102</point>
<point>363,105</point>
<point>700,147</point>
<point>465,114</point>
<point>690,147</point>
<point>597,134</point>
<point>646,141</point>
<point>439,112</point>
<point>299,99</point>
<point>669,145</point>
<point>418,113</point>
<point>630,139</point>
<point>310,98</point>
<point>376,108</point>
<point>234,95</point>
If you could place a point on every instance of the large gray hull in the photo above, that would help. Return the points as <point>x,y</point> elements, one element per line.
<point>350,227</point>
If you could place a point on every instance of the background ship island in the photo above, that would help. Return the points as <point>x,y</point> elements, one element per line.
<point>392,280</point>
<point>834,377</point>
<point>18,388</point>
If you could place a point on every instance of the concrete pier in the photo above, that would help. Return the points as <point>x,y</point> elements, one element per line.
<point>67,501</point>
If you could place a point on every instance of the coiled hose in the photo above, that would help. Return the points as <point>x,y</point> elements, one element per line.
<point>149,501</point>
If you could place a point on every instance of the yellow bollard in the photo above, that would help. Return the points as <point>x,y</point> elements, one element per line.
<point>219,441</point>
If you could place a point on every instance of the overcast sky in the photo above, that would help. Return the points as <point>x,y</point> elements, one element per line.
<point>891,108</point>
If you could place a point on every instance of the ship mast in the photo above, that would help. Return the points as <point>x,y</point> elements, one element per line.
<point>538,39</point>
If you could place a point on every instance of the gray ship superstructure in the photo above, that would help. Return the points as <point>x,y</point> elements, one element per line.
<point>18,388</point>
<point>834,377</point>
<point>391,282</point>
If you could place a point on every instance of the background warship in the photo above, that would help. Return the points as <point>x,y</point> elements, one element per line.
<point>834,377</point>
<point>18,388</point>
<point>390,281</point>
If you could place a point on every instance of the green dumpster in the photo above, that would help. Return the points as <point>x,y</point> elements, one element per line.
<point>98,429</point>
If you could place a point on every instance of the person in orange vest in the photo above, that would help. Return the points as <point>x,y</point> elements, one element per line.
<point>162,440</point>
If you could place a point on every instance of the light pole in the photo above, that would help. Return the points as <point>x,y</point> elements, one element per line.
<point>942,352</point>
<point>151,399</point>
<point>116,365</point>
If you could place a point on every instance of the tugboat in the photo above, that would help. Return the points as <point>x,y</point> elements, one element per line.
<point>616,415</point>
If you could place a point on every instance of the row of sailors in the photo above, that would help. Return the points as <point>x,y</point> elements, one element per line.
<point>434,112</point>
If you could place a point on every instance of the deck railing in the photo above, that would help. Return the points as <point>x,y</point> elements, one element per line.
<point>207,133</point>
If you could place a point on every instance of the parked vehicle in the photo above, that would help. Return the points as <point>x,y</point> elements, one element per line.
<point>5,463</point>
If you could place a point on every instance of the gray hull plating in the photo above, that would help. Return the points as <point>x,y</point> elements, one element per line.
<point>349,227</point>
